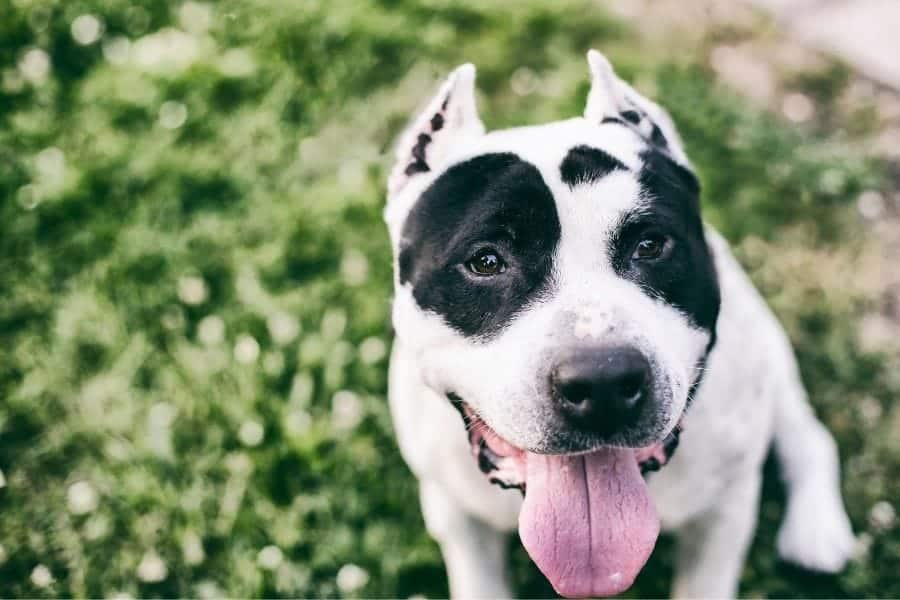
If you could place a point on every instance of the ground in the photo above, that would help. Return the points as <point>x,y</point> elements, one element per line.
<point>196,279</point>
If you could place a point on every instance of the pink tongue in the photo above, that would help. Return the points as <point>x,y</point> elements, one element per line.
<point>587,521</point>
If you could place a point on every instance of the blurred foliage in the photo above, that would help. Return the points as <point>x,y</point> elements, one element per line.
<point>194,326</point>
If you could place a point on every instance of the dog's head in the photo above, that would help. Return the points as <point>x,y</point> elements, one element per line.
<point>554,280</point>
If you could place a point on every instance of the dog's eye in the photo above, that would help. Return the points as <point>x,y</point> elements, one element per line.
<point>486,263</point>
<point>650,247</point>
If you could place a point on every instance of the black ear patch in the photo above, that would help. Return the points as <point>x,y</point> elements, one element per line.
<point>419,164</point>
<point>584,164</point>
<point>496,201</point>
<point>641,123</point>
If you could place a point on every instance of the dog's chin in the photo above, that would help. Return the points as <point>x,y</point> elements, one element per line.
<point>587,520</point>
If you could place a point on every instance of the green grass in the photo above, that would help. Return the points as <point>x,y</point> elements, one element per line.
<point>170,293</point>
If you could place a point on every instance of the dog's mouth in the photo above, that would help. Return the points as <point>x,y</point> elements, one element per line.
<point>587,520</point>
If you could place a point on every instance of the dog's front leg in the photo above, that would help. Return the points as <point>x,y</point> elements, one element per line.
<point>712,547</point>
<point>474,553</point>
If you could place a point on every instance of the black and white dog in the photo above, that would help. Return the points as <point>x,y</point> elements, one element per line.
<point>557,289</point>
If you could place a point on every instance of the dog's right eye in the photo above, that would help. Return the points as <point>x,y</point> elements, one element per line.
<point>486,263</point>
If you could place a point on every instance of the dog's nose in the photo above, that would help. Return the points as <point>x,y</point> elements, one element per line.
<point>602,390</point>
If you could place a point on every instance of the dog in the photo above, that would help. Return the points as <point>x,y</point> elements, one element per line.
<point>578,356</point>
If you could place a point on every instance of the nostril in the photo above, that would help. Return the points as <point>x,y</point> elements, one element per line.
<point>575,393</point>
<point>631,387</point>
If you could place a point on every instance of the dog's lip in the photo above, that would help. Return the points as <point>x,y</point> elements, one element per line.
<point>475,423</point>
<point>503,462</point>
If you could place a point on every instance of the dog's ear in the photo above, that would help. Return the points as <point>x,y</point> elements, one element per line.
<point>605,100</point>
<point>611,99</point>
<point>450,117</point>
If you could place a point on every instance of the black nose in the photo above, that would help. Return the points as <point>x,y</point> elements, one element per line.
<point>601,389</point>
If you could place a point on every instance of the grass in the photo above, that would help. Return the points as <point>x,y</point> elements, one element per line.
<point>194,323</point>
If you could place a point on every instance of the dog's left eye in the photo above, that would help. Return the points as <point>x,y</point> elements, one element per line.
<point>486,262</point>
<point>651,247</point>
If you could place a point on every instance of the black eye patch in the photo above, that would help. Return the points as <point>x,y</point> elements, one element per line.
<point>495,199</point>
<point>584,164</point>
<point>687,279</point>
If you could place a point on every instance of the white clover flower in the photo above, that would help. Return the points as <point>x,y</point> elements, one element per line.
<point>28,196</point>
<point>238,463</point>
<point>117,50</point>
<point>41,576</point>
<point>96,527</point>
<point>270,558</point>
<point>302,389</point>
<point>312,348</point>
<point>195,17</point>
<point>166,50</point>
<point>120,596</point>
<point>172,114</point>
<point>2,480</point>
<point>351,578</point>
<point>211,330</point>
<point>297,422</point>
<point>333,323</point>
<point>237,62</point>
<point>346,410</point>
<point>251,433</point>
<point>192,290</point>
<point>283,328</point>
<point>882,516</point>
<point>173,318</point>
<point>82,498</point>
<point>161,415</point>
<point>152,569</point>
<point>308,146</point>
<point>50,164</point>
<point>524,81</point>
<point>86,29</point>
<point>273,363</point>
<point>832,181</point>
<point>192,548</point>
<point>870,204</point>
<point>354,267</point>
<point>246,349</point>
<point>798,107</point>
<point>35,66</point>
<point>2,554</point>
<point>372,350</point>
<point>208,590</point>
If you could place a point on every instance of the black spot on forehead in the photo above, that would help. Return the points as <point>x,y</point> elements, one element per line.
<point>497,201</point>
<point>585,164</point>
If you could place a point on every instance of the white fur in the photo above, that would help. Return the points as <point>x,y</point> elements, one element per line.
<point>751,393</point>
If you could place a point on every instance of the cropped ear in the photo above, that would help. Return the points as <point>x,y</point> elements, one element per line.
<point>451,116</point>
<point>605,100</point>
<point>613,100</point>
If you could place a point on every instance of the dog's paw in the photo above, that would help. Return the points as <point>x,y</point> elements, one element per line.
<point>816,532</point>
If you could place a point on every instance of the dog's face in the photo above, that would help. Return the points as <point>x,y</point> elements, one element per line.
<point>554,279</point>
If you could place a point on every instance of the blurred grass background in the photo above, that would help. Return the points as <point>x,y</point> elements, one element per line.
<point>194,318</point>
